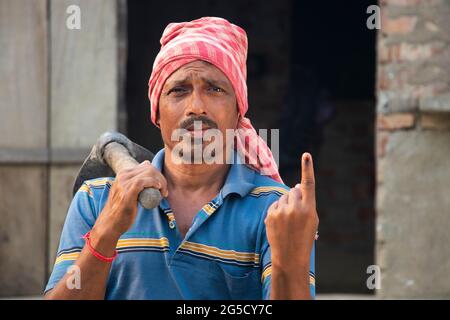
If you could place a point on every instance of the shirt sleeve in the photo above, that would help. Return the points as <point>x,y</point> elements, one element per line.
<point>266,265</point>
<point>80,219</point>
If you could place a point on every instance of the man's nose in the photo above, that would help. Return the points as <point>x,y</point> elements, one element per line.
<point>196,103</point>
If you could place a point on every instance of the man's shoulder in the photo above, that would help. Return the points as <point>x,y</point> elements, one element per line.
<point>96,187</point>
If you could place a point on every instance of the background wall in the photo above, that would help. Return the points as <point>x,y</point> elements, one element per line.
<point>413,149</point>
<point>58,93</point>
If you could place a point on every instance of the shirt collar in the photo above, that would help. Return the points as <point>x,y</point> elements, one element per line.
<point>239,178</point>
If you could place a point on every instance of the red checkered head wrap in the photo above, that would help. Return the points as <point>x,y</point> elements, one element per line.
<point>223,44</point>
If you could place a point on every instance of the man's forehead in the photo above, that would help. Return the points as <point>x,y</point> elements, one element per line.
<point>201,69</point>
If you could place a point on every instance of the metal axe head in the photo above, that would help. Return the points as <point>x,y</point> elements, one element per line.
<point>95,167</point>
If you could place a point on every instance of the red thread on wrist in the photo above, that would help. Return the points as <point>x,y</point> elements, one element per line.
<point>96,254</point>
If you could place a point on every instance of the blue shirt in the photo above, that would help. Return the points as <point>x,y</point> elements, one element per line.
<point>224,255</point>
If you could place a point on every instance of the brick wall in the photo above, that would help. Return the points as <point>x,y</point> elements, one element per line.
<point>413,149</point>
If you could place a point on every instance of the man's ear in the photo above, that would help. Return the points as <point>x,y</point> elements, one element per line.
<point>157,118</point>
<point>238,115</point>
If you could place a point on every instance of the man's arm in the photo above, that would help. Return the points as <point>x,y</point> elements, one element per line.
<point>116,218</point>
<point>93,272</point>
<point>291,226</point>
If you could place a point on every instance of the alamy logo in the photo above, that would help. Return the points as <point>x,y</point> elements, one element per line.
<point>73,21</point>
<point>73,281</point>
<point>210,146</point>
<point>374,280</point>
<point>374,20</point>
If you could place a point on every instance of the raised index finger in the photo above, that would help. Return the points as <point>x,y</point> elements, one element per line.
<point>308,181</point>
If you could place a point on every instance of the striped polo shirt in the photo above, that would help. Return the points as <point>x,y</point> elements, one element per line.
<point>224,255</point>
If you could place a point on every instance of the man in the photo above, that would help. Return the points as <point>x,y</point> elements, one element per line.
<point>222,231</point>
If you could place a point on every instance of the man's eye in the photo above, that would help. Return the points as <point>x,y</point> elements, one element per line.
<point>177,90</point>
<point>216,89</point>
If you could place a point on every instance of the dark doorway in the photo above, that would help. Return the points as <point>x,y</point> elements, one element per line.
<point>311,73</point>
<point>331,98</point>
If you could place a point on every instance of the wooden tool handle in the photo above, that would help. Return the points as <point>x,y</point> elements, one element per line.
<point>118,158</point>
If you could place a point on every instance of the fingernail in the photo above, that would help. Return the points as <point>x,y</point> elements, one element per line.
<point>297,185</point>
<point>306,158</point>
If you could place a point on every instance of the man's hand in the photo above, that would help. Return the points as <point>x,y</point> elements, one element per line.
<point>291,225</point>
<point>120,210</point>
<point>116,218</point>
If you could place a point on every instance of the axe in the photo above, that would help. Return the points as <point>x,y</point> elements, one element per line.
<point>112,153</point>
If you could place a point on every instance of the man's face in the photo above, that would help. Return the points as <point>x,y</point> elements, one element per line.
<point>198,91</point>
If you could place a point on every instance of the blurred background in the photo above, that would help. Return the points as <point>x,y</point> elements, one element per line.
<point>372,106</point>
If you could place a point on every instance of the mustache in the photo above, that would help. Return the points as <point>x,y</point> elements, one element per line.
<point>205,120</point>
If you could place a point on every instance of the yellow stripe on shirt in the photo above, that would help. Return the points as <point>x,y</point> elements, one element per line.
<point>312,280</point>
<point>259,190</point>
<point>99,182</point>
<point>85,188</point>
<point>122,243</point>
<point>87,185</point>
<point>142,242</point>
<point>208,209</point>
<point>268,272</point>
<point>221,253</point>
<point>67,257</point>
